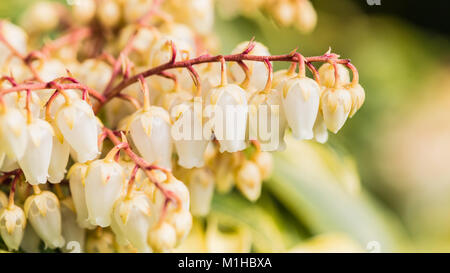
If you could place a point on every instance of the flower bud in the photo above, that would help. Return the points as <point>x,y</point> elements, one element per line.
<point>135,9</point>
<point>358,97</point>
<point>132,214</point>
<point>143,42</point>
<point>248,180</point>
<point>264,161</point>
<point>13,133</point>
<point>306,16</point>
<point>76,175</point>
<point>320,129</point>
<point>258,70</point>
<point>201,190</point>
<point>43,211</point>
<point>336,105</point>
<point>83,11</point>
<point>103,185</point>
<point>108,13</point>
<point>78,124</point>
<point>36,160</point>
<point>73,234</point>
<point>12,226</point>
<point>283,13</point>
<point>150,132</point>
<point>229,108</point>
<point>327,75</point>
<point>187,132</point>
<point>162,238</point>
<point>94,73</point>
<point>301,97</point>
<point>266,112</point>
<point>40,17</point>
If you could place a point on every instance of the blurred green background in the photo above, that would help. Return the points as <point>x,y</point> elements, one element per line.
<point>382,183</point>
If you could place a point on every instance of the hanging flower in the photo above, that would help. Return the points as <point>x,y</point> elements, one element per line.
<point>43,211</point>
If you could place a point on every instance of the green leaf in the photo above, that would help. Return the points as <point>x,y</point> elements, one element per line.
<point>305,183</point>
<point>233,208</point>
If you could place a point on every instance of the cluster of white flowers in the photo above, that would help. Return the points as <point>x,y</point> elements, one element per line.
<point>132,190</point>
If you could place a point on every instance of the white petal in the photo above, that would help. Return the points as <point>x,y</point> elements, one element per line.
<point>103,186</point>
<point>150,132</point>
<point>78,125</point>
<point>36,161</point>
<point>301,98</point>
<point>76,182</point>
<point>58,161</point>
<point>43,212</point>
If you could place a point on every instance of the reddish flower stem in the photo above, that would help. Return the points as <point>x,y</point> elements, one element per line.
<point>209,59</point>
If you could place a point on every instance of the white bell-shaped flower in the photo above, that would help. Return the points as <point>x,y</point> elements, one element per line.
<point>336,104</point>
<point>43,212</point>
<point>162,238</point>
<point>78,124</point>
<point>249,181</point>
<point>358,96</point>
<point>258,70</point>
<point>201,190</point>
<point>12,226</point>
<point>267,121</point>
<point>301,98</point>
<point>73,234</point>
<point>36,160</point>
<point>13,132</point>
<point>176,187</point>
<point>103,185</point>
<point>227,110</point>
<point>59,159</point>
<point>327,74</point>
<point>187,133</point>
<point>161,53</point>
<point>76,175</point>
<point>320,129</point>
<point>132,214</point>
<point>150,132</point>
